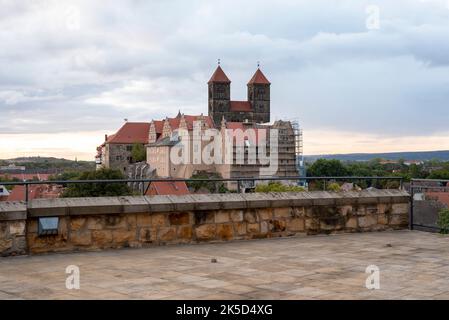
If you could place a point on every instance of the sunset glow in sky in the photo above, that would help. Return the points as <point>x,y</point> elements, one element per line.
<point>71,71</point>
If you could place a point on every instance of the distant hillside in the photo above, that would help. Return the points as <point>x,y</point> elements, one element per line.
<point>48,164</point>
<point>416,155</point>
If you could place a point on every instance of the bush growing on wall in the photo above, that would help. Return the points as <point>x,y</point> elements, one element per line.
<point>278,187</point>
<point>334,186</point>
<point>443,221</point>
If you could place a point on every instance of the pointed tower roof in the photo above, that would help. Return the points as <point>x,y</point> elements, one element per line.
<point>259,78</point>
<point>219,76</point>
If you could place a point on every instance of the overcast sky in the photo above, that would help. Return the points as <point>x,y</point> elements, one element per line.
<point>71,71</point>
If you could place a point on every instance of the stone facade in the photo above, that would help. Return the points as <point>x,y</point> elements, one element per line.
<point>101,223</point>
<point>118,156</point>
<point>12,228</point>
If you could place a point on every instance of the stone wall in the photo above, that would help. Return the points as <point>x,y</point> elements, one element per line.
<point>100,223</point>
<point>12,228</point>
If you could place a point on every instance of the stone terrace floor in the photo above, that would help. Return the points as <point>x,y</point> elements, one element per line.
<point>416,265</point>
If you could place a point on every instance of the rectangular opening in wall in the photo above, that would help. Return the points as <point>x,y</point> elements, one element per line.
<point>48,226</point>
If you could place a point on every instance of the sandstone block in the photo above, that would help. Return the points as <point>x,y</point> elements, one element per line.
<point>367,221</point>
<point>17,228</point>
<point>371,209</point>
<point>159,220</point>
<point>240,228</point>
<point>282,212</point>
<point>312,224</point>
<point>5,245</point>
<point>399,219</point>
<point>221,216</point>
<point>225,231</point>
<point>399,208</point>
<point>253,228</point>
<point>265,214</point>
<point>177,219</point>
<point>76,223</point>
<point>95,223</point>
<point>382,219</point>
<point>298,212</point>
<point>345,210</point>
<point>115,222</point>
<point>147,235</point>
<point>205,232</point>
<point>101,237</point>
<point>352,223</point>
<point>81,238</point>
<point>123,236</point>
<point>143,219</point>
<point>131,220</point>
<point>296,224</point>
<point>185,232</point>
<point>250,216</point>
<point>167,234</point>
<point>278,225</point>
<point>383,208</point>
<point>236,215</point>
<point>330,224</point>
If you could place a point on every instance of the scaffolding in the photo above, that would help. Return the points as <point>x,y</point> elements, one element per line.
<point>299,148</point>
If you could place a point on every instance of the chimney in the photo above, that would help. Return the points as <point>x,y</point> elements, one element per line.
<point>105,138</point>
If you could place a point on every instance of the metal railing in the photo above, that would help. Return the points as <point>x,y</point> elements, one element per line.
<point>425,210</point>
<point>144,188</point>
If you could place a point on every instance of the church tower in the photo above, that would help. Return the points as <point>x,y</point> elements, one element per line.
<point>219,95</point>
<point>259,96</point>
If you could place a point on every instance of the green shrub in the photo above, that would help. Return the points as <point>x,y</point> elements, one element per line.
<point>443,221</point>
<point>278,187</point>
<point>98,189</point>
<point>210,186</point>
<point>335,187</point>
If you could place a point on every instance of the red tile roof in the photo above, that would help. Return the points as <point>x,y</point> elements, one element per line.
<point>35,192</point>
<point>158,125</point>
<point>175,122</point>
<point>241,106</point>
<point>18,193</point>
<point>26,176</point>
<point>191,119</point>
<point>131,132</point>
<point>219,76</point>
<point>442,197</point>
<point>259,78</point>
<point>168,188</point>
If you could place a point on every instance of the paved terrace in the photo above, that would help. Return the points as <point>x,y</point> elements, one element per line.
<point>412,264</point>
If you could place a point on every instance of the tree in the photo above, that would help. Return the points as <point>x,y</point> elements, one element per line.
<point>327,168</point>
<point>138,153</point>
<point>98,189</point>
<point>439,174</point>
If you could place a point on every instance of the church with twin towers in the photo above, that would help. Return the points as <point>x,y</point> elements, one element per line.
<point>255,109</point>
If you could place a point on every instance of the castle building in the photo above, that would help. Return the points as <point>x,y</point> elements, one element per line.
<point>116,150</point>
<point>255,110</point>
<point>224,114</point>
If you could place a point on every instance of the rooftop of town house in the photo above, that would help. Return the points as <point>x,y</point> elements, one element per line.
<point>168,188</point>
<point>131,132</point>
<point>413,265</point>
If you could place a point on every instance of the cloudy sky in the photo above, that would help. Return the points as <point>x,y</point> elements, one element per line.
<point>71,71</point>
